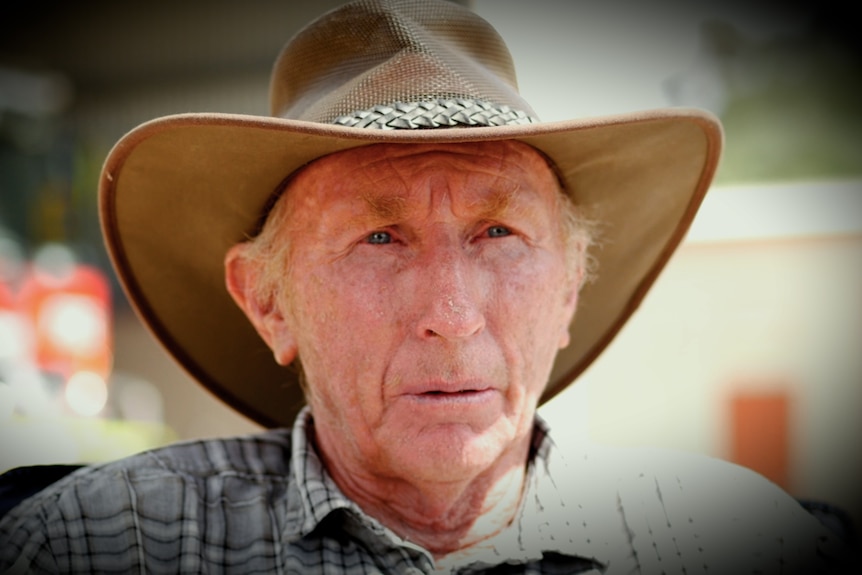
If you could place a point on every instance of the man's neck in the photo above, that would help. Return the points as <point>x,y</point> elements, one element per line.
<point>442,517</point>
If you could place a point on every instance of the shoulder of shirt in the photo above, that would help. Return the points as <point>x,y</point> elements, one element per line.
<point>717,506</point>
<point>667,474</point>
<point>257,456</point>
<point>616,467</point>
<point>266,453</point>
<point>152,482</point>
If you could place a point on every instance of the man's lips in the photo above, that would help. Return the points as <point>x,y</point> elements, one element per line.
<point>461,392</point>
<point>450,393</point>
<point>447,388</point>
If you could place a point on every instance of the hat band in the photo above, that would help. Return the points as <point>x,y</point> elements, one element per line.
<point>437,113</point>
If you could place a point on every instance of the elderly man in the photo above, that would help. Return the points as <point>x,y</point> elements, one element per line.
<point>419,284</point>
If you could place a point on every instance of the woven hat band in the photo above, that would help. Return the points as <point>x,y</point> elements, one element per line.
<point>438,113</point>
<point>418,64</point>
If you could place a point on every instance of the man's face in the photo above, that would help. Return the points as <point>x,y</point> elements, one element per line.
<point>427,297</point>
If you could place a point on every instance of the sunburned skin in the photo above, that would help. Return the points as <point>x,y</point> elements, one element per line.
<point>427,297</point>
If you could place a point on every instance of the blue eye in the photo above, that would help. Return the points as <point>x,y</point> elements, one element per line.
<point>498,232</point>
<point>379,238</point>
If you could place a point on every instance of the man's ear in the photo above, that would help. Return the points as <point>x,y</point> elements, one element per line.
<point>242,275</point>
<point>570,305</point>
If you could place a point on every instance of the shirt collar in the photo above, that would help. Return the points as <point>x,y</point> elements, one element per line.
<point>312,494</point>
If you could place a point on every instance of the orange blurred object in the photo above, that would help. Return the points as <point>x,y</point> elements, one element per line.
<point>760,434</point>
<point>71,317</point>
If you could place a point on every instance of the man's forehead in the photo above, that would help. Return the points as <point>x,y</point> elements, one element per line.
<point>378,173</point>
<point>479,153</point>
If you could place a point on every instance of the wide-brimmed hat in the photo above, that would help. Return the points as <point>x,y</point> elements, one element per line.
<point>177,192</point>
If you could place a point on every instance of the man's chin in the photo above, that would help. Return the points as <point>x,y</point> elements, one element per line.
<point>453,451</point>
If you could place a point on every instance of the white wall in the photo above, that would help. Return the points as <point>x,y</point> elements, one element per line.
<point>730,316</point>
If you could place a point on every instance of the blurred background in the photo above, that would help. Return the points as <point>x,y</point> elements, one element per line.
<point>749,347</point>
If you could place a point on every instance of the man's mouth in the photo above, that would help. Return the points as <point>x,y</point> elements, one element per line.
<point>453,395</point>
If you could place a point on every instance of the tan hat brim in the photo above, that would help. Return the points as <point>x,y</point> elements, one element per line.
<point>177,192</point>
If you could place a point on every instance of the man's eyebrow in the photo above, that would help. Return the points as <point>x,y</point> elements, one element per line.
<point>496,203</point>
<point>386,208</point>
<point>389,208</point>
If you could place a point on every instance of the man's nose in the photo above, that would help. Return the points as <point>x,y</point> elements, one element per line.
<point>450,296</point>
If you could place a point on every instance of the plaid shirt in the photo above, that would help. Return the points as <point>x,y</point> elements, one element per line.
<point>265,504</point>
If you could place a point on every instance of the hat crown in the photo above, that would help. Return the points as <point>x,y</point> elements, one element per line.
<point>382,57</point>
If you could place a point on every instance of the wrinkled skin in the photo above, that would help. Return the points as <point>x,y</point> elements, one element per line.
<point>427,296</point>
